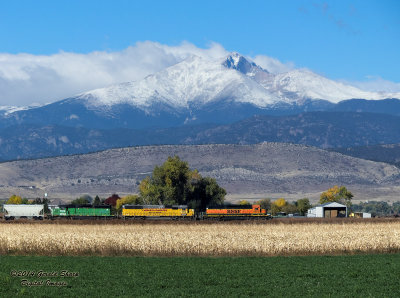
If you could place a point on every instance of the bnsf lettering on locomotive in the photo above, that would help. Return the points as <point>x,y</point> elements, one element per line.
<point>233,211</point>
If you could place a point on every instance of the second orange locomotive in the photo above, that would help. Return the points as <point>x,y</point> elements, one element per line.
<point>237,212</point>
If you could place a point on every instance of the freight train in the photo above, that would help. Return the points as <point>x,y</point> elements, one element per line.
<point>141,212</point>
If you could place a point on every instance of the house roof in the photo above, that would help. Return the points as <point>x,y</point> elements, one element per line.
<point>331,204</point>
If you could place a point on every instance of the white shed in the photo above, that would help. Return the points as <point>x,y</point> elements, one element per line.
<point>22,210</point>
<point>360,215</point>
<point>332,209</point>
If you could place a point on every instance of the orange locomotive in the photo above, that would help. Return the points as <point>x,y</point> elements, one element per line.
<point>237,212</point>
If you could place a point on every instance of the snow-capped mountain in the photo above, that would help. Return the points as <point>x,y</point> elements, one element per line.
<point>304,84</point>
<point>192,82</point>
<point>199,90</point>
<point>195,82</point>
<point>300,84</point>
<point>188,102</point>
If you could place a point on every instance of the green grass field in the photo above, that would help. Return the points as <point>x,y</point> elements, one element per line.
<point>358,275</point>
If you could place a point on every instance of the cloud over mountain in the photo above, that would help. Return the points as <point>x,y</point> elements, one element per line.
<point>377,84</point>
<point>27,79</point>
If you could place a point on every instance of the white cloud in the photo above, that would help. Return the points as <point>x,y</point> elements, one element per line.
<point>377,84</point>
<point>26,79</point>
<point>273,65</point>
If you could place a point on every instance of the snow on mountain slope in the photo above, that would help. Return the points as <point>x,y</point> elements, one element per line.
<point>192,82</point>
<point>6,110</point>
<point>300,84</point>
<point>306,84</point>
<point>196,81</point>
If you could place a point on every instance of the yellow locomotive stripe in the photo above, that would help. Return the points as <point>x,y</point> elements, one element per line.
<point>158,212</point>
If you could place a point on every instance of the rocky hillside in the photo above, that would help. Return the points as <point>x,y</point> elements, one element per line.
<point>320,129</point>
<point>389,153</point>
<point>246,171</point>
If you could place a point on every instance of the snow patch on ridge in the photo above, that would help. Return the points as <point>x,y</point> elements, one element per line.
<point>6,110</point>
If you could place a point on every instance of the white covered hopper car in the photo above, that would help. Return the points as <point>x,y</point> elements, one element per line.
<point>12,211</point>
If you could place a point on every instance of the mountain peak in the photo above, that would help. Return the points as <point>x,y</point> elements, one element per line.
<point>198,81</point>
<point>233,59</point>
<point>194,81</point>
<point>238,62</point>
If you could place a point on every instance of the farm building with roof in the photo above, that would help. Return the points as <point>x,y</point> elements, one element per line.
<point>329,210</point>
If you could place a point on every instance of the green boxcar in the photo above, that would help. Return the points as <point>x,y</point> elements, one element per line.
<point>81,211</point>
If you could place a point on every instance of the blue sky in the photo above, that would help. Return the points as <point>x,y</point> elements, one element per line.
<point>347,40</point>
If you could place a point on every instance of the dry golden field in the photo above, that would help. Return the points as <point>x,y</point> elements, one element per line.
<point>200,239</point>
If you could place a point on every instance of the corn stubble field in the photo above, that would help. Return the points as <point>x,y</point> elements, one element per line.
<point>200,239</point>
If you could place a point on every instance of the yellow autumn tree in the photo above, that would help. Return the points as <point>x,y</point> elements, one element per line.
<point>14,199</point>
<point>244,202</point>
<point>336,194</point>
<point>277,205</point>
<point>129,199</point>
<point>280,202</point>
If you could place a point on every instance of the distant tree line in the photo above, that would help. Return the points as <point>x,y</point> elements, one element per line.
<point>378,208</point>
<point>280,205</point>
